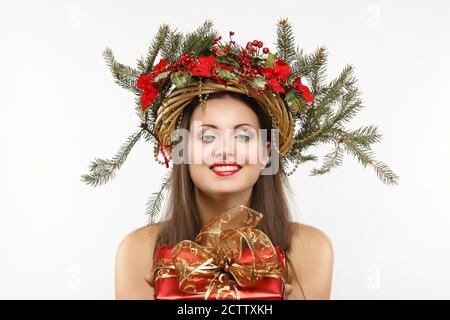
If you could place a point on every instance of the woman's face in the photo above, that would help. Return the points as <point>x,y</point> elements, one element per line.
<point>227,151</point>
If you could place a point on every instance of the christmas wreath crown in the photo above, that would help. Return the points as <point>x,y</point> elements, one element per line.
<point>199,63</point>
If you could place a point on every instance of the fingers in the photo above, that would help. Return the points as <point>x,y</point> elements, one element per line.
<point>149,278</point>
<point>287,291</point>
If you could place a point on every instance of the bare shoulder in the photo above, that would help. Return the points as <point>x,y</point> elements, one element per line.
<point>134,259</point>
<point>308,236</point>
<point>312,255</point>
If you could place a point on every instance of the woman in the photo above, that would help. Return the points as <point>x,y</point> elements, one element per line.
<point>225,131</point>
<point>250,85</point>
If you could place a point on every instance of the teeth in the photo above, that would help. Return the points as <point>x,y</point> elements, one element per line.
<point>225,168</point>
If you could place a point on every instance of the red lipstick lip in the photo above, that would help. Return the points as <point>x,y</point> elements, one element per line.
<point>217,164</point>
<point>225,173</point>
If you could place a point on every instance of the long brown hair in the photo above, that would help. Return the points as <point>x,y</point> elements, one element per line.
<point>182,220</point>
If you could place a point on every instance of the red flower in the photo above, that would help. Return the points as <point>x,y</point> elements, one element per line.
<point>145,80</point>
<point>186,61</point>
<point>204,67</point>
<point>274,85</point>
<point>150,92</point>
<point>225,67</point>
<point>303,89</point>
<point>267,72</point>
<point>160,67</point>
<point>280,71</point>
<point>148,96</point>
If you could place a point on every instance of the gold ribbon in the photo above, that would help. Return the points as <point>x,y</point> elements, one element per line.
<point>212,263</point>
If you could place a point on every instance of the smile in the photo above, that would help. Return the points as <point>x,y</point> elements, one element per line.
<point>225,169</point>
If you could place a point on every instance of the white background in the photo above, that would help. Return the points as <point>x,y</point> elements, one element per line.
<point>60,109</point>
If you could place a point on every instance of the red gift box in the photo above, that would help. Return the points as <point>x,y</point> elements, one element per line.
<point>167,288</point>
<point>230,259</point>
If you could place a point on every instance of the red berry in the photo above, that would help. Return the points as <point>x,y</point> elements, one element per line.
<point>231,33</point>
<point>255,43</point>
<point>266,50</point>
<point>260,44</point>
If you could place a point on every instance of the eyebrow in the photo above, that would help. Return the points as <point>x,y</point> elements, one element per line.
<point>236,126</point>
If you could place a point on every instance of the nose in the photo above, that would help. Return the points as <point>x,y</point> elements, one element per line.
<point>225,149</point>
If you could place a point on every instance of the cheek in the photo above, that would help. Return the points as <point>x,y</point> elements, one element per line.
<point>197,172</point>
<point>199,152</point>
<point>251,153</point>
<point>251,172</point>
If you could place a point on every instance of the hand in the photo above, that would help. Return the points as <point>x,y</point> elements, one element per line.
<point>149,278</point>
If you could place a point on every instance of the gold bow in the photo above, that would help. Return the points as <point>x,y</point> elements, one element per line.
<point>213,263</point>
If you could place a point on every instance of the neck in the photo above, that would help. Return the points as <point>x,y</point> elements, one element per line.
<point>211,205</point>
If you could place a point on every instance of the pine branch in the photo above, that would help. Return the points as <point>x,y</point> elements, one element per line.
<point>320,118</point>
<point>125,76</point>
<point>285,41</point>
<point>301,66</point>
<point>330,94</point>
<point>308,157</point>
<point>294,157</point>
<point>102,171</point>
<point>138,109</point>
<point>141,64</point>
<point>366,157</point>
<point>348,106</point>
<point>363,137</point>
<point>197,42</point>
<point>148,136</point>
<point>312,67</point>
<point>385,174</point>
<point>317,63</point>
<point>332,159</point>
<point>155,47</point>
<point>153,206</point>
<point>125,149</point>
<point>303,142</point>
<point>171,48</point>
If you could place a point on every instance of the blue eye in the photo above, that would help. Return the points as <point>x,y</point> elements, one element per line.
<point>207,139</point>
<point>245,137</point>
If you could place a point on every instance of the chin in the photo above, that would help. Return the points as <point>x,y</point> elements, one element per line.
<point>227,185</point>
<point>225,191</point>
<point>213,186</point>
<point>214,183</point>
